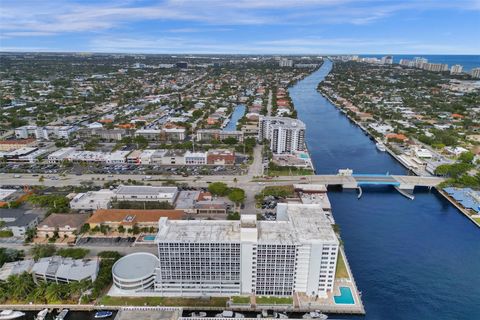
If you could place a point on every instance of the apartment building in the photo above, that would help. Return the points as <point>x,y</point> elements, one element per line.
<point>285,135</point>
<point>45,133</point>
<point>296,253</point>
<point>217,134</point>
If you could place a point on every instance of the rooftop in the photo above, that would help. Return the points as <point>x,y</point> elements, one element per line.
<point>66,268</point>
<point>59,220</point>
<point>135,266</point>
<point>11,268</point>
<point>144,190</point>
<point>296,224</point>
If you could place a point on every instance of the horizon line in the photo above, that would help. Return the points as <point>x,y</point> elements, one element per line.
<point>243,54</point>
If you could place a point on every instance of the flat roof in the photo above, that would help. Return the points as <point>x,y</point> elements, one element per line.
<point>5,193</point>
<point>198,231</point>
<point>144,190</point>
<point>135,266</point>
<point>296,224</point>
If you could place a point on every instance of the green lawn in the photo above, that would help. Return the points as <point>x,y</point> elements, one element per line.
<point>163,301</point>
<point>240,299</point>
<point>341,271</point>
<point>477,220</point>
<point>273,300</point>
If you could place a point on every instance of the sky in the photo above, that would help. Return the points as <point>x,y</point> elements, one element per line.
<point>242,26</point>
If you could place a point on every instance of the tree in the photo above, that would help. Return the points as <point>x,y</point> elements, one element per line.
<point>74,253</point>
<point>21,286</point>
<point>218,188</point>
<point>53,293</point>
<point>121,229</point>
<point>42,250</point>
<point>236,195</point>
<point>230,141</point>
<point>233,216</point>
<point>85,228</point>
<point>466,157</point>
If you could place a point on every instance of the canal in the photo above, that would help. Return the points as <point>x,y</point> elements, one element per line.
<point>415,259</point>
<point>236,115</point>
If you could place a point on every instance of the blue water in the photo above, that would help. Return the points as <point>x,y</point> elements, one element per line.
<point>237,114</point>
<point>345,296</point>
<point>415,259</point>
<point>467,61</point>
<point>149,238</point>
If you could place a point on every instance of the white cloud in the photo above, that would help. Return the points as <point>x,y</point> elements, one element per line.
<point>63,16</point>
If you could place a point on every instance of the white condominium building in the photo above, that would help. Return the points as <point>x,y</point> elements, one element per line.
<point>475,73</point>
<point>296,253</point>
<point>285,135</point>
<point>456,69</point>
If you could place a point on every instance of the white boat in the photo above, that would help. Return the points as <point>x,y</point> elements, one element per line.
<point>280,315</point>
<point>315,315</point>
<point>41,315</point>
<point>381,147</point>
<point>62,314</point>
<point>225,314</point>
<point>230,314</point>
<point>198,314</point>
<point>10,314</point>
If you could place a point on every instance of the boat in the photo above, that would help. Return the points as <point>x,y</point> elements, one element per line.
<point>315,315</point>
<point>198,314</point>
<point>381,147</point>
<point>229,314</point>
<point>62,314</point>
<point>41,315</point>
<point>103,314</point>
<point>10,314</point>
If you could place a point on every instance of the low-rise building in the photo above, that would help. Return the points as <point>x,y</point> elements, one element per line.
<point>65,270</point>
<point>218,134</point>
<point>146,193</point>
<point>18,220</point>
<point>25,154</point>
<point>10,145</point>
<point>221,157</point>
<point>128,218</point>
<point>66,225</point>
<point>92,200</point>
<point>195,158</point>
<point>14,268</point>
<point>173,157</point>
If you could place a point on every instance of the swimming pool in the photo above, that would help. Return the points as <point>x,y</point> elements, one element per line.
<point>345,296</point>
<point>149,238</point>
<point>304,156</point>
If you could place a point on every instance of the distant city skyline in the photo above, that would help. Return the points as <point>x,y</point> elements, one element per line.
<point>242,26</point>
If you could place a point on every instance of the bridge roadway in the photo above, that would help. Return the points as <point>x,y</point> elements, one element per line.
<point>244,181</point>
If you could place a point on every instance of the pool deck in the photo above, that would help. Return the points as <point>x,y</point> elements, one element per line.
<point>327,304</point>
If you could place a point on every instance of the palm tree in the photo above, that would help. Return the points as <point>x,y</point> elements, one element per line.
<point>38,295</point>
<point>53,293</point>
<point>21,286</point>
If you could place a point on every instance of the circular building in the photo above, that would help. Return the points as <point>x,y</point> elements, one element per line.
<point>135,272</point>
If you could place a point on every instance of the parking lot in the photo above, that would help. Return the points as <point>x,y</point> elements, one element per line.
<point>269,205</point>
<point>100,168</point>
